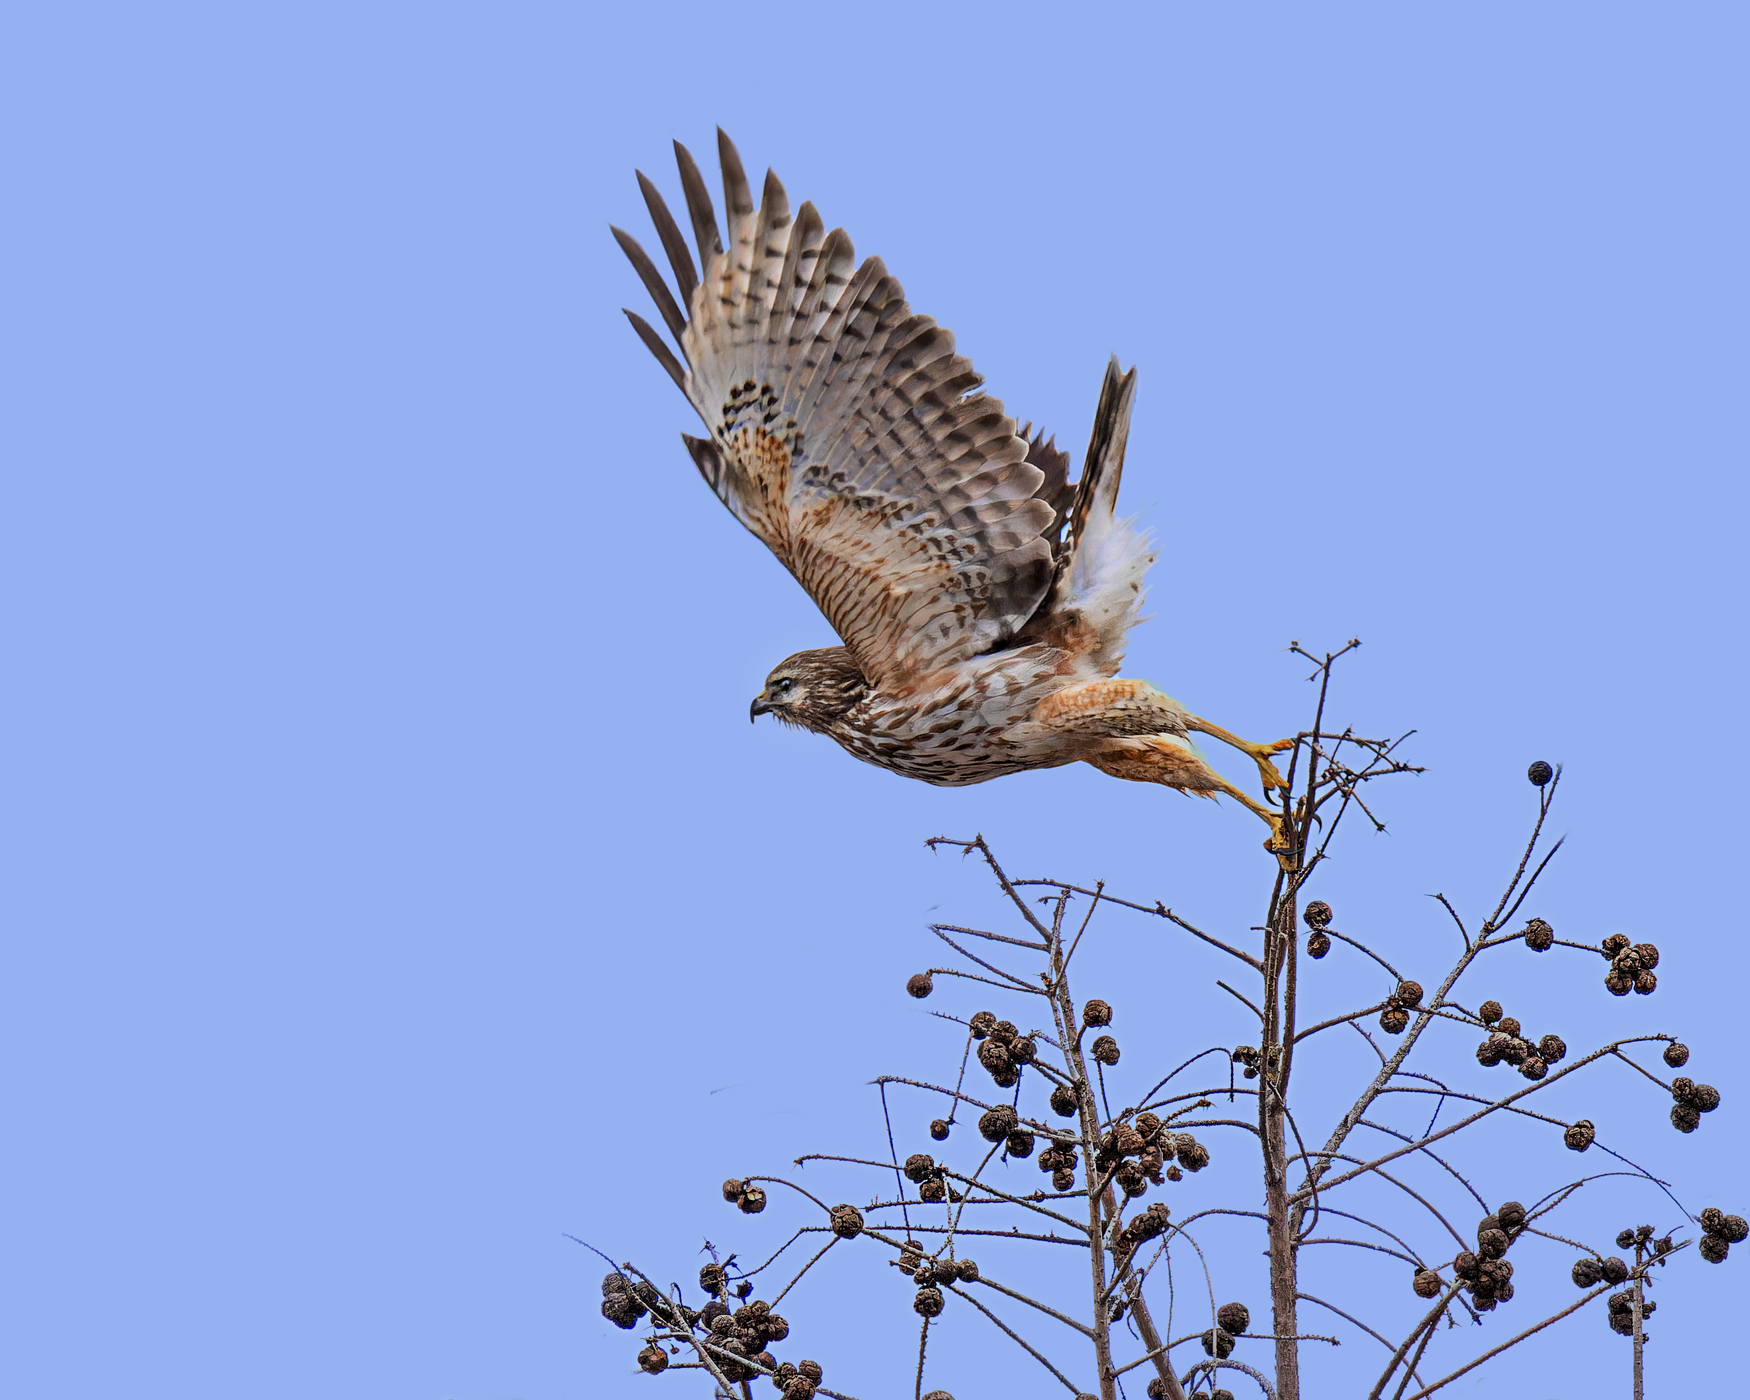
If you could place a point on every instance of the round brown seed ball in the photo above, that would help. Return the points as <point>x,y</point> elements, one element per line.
<point>621,1310</point>
<point>939,1128</point>
<point>1106,1050</point>
<point>1491,1244</point>
<point>722,1324</point>
<point>1539,936</point>
<point>1426,1284</point>
<point>1713,1249</point>
<point>1174,1174</point>
<point>980,1024</point>
<point>1540,773</point>
<point>1233,1317</point>
<point>1627,961</point>
<point>1217,1342</point>
<point>1684,1118</point>
<point>994,1056</point>
<point>1552,1049</point>
<point>753,1201</point>
<point>733,1188</point>
<point>1677,1054</point>
<point>1317,944</point>
<point>1704,1098</point>
<point>1646,984</point>
<point>1408,994</point>
<point>928,1303</point>
<point>1063,1101</point>
<point>846,1221</point>
<point>1614,944</point>
<point>1489,1012</point>
<point>919,985</point>
<point>1511,1215</point>
<point>1317,914</point>
<point>809,1370</point>
<point>1533,1068</point>
<point>997,1123</point>
<point>1097,1013</point>
<point>653,1359</point>
<point>1579,1135</point>
<point>1618,984</point>
<point>1648,954</point>
<point>1393,1020</point>
<point>1733,1229</point>
<point>1019,1144</point>
<point>1466,1266</point>
<point>711,1278</point>
<point>1710,1219</point>
<point>1007,1079</point>
<point>1489,1052</point>
<point>1515,1052</point>
<point>1586,1273</point>
<point>1157,1389</point>
<point>1193,1155</point>
<point>1022,1050</point>
<point>1614,1270</point>
<point>932,1191</point>
<point>1682,1087</point>
<point>1509,1025</point>
<point>919,1166</point>
<point>1063,1179</point>
<point>798,1388</point>
<point>1625,1239</point>
<point>966,1270</point>
<point>1004,1031</point>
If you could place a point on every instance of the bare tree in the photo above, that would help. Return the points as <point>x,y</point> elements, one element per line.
<point>1054,1100</point>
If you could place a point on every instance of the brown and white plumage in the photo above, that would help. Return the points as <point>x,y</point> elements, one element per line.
<point>983,601</point>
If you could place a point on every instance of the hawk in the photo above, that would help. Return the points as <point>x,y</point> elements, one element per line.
<point>982,598</point>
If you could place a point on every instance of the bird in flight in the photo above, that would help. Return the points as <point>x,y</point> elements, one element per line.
<point>983,599</point>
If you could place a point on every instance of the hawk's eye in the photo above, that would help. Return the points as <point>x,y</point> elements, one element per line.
<point>786,684</point>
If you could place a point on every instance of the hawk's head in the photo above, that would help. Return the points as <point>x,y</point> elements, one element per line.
<point>811,688</point>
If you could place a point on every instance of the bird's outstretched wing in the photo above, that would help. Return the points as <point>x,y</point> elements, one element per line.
<point>844,431</point>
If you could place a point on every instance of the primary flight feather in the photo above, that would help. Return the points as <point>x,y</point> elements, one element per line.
<point>983,600</point>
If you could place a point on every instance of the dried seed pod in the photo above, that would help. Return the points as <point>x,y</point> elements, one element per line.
<point>1496,1272</point>
<point>1533,1068</point>
<point>1019,1144</point>
<point>753,1201</point>
<point>1710,1219</point>
<point>810,1370</point>
<point>1489,1052</point>
<point>1648,954</point>
<point>733,1188</point>
<point>1408,994</point>
<point>1509,1025</point>
<point>1511,1215</point>
<point>1022,1050</point>
<point>980,1024</point>
<point>939,1129</point>
<point>1220,1394</point>
<point>711,1278</point>
<point>1466,1266</point>
<point>1627,962</point>
<point>1193,1155</point>
<point>1105,1050</point>
<point>1004,1031</point>
<point>1643,1233</point>
<point>709,1314</point>
<point>966,1270</point>
<point>1540,773</point>
<point>616,1283</point>
<point>937,1395</point>
<point>1617,984</point>
<point>1579,1135</point>
<point>1684,1118</point>
<point>1148,1124</point>
<point>997,1123</point>
<point>1233,1317</point>
<point>1682,1087</point>
<point>722,1324</point>
<point>764,1360</point>
<point>1704,1098</point>
<point>1515,1051</point>
<point>1614,1270</point>
<point>622,1310</point>
<point>1218,1342</point>
<point>1174,1174</point>
<point>1614,944</point>
<point>1393,1020</point>
<point>1712,1248</point>
<point>1063,1179</point>
<point>1504,1294</point>
<point>911,1255</point>
<point>1677,1054</point>
<point>1732,1229</point>
<point>1664,1245</point>
<point>928,1302</point>
<point>1646,984</point>
<point>919,985</point>
<point>994,1056</point>
<point>1007,1079</point>
<point>1552,1049</point>
<point>1317,944</point>
<point>1157,1389</point>
<point>653,1359</point>
<point>1063,1101</point>
<point>932,1191</point>
<point>1096,1013</point>
<point>1491,1244</point>
<point>1489,1012</point>
<point>785,1373</point>
<point>1625,1239</point>
<point>1317,914</point>
<point>1539,936</point>
<point>920,1166</point>
<point>1586,1273</point>
<point>1246,1054</point>
<point>846,1221</point>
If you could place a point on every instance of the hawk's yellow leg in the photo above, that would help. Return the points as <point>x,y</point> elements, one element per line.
<point>1258,753</point>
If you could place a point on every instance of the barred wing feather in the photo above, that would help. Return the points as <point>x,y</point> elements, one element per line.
<point>845,431</point>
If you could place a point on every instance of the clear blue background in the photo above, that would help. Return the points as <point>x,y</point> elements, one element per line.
<point>392,879</point>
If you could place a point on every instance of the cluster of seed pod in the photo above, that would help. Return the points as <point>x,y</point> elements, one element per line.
<point>1061,1161</point>
<point>1143,1153</point>
<point>1231,1319</point>
<point>1251,1059</point>
<point>1620,1313</point>
<point>1722,1232</point>
<point>1590,1272</point>
<point>625,1300</point>
<point>1689,1101</point>
<point>1631,966</point>
<point>1396,1017</point>
<point>1317,915</point>
<point>930,1276</point>
<point>1487,1275</point>
<point>746,1197</point>
<point>1002,1048</point>
<point>1508,1044</point>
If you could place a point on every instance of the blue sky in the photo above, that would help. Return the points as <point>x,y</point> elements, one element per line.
<point>393,880</point>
